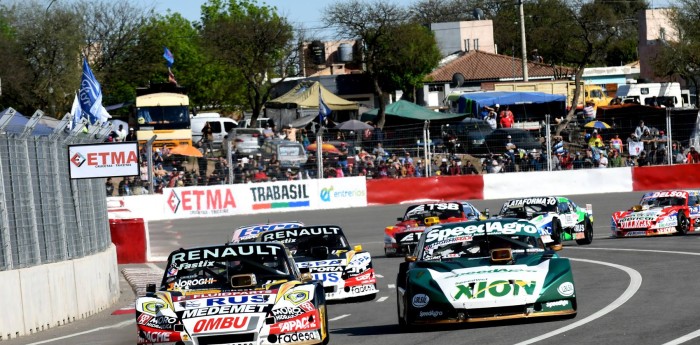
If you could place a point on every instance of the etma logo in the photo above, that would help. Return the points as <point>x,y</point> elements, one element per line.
<point>326,194</point>
<point>173,201</point>
<point>77,159</point>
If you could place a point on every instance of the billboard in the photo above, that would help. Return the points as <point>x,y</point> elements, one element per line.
<point>103,160</point>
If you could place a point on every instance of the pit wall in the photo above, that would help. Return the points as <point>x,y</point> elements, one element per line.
<point>37,298</point>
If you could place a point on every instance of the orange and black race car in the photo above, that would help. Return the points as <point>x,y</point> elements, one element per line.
<point>403,237</point>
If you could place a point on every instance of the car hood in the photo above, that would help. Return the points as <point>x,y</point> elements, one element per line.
<point>492,286</point>
<point>211,313</point>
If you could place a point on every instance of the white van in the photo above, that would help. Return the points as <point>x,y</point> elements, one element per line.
<point>220,126</point>
<point>659,94</point>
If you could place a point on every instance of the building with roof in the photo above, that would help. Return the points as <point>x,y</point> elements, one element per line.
<point>478,70</point>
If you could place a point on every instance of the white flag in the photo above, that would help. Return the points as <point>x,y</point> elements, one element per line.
<point>75,112</point>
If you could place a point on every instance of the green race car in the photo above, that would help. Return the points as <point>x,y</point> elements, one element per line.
<point>483,271</point>
<point>558,218</point>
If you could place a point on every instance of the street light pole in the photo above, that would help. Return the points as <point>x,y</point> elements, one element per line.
<point>522,40</point>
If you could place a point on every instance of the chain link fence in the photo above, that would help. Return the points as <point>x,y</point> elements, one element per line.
<point>44,216</point>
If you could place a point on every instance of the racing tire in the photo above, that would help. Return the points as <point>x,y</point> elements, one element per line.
<point>404,320</point>
<point>683,224</point>
<point>587,232</point>
<point>556,232</point>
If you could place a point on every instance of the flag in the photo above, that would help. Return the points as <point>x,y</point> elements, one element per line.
<point>90,95</point>
<point>323,110</point>
<point>75,112</point>
<point>168,57</point>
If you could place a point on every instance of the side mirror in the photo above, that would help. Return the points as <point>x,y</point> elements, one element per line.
<point>150,288</point>
<point>430,221</point>
<point>487,213</point>
<point>243,280</point>
<point>410,258</point>
<point>319,252</point>
<point>357,248</point>
<point>501,255</point>
<point>399,219</point>
<point>637,208</point>
<point>306,277</point>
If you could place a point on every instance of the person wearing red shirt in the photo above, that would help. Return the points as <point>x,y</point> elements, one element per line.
<point>506,118</point>
<point>693,156</point>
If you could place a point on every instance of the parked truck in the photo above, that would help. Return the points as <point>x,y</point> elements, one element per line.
<point>654,94</point>
<point>589,92</point>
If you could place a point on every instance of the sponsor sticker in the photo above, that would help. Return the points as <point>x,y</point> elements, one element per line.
<point>560,303</point>
<point>566,289</point>
<point>295,337</point>
<point>430,313</point>
<point>420,300</point>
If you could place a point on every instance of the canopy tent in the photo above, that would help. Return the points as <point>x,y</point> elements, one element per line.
<point>306,95</point>
<point>19,121</point>
<point>472,102</point>
<point>402,111</point>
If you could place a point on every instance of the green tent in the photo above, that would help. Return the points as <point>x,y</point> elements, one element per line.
<point>403,111</point>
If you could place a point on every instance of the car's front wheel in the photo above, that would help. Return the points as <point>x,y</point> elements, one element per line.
<point>556,232</point>
<point>683,224</point>
<point>587,233</point>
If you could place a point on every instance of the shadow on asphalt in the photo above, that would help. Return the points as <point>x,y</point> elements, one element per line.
<point>395,329</point>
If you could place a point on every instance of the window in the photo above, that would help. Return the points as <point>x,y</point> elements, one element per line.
<point>645,91</point>
<point>563,207</point>
<point>229,126</point>
<point>215,126</point>
<point>476,44</point>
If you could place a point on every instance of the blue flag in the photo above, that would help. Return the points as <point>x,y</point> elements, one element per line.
<point>90,95</point>
<point>323,110</point>
<point>168,57</point>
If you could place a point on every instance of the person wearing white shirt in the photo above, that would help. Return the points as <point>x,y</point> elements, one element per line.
<point>121,133</point>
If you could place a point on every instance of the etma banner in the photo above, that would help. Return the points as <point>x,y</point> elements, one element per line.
<point>103,160</point>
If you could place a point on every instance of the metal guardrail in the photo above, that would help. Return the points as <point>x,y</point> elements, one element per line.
<point>44,216</point>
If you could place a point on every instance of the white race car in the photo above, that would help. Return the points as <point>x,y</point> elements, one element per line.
<point>323,251</point>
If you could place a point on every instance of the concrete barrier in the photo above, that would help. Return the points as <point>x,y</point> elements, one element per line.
<point>45,296</point>
<point>570,182</point>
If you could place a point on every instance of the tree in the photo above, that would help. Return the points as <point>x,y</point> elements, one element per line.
<point>253,39</point>
<point>679,54</point>
<point>374,23</point>
<point>48,63</point>
<point>412,53</point>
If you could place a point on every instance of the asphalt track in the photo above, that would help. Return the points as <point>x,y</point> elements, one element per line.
<point>630,291</point>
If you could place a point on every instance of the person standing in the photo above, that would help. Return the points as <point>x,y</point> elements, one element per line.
<point>207,138</point>
<point>121,134</point>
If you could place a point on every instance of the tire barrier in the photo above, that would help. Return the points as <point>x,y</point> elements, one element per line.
<point>129,236</point>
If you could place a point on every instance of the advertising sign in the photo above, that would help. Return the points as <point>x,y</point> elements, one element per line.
<point>201,201</point>
<point>103,160</point>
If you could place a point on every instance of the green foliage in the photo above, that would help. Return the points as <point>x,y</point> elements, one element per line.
<point>254,40</point>
<point>411,53</point>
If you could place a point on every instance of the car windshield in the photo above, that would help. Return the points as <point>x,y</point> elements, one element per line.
<point>526,211</point>
<point>663,202</point>
<point>302,245</point>
<point>441,210</point>
<point>213,268</point>
<point>479,246</point>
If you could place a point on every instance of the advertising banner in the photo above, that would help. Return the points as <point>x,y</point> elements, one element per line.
<point>280,196</point>
<point>342,192</point>
<point>103,160</point>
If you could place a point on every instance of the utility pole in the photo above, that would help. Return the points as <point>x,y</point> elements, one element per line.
<point>522,39</point>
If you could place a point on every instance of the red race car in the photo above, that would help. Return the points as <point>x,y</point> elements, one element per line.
<point>403,237</point>
<point>659,213</point>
